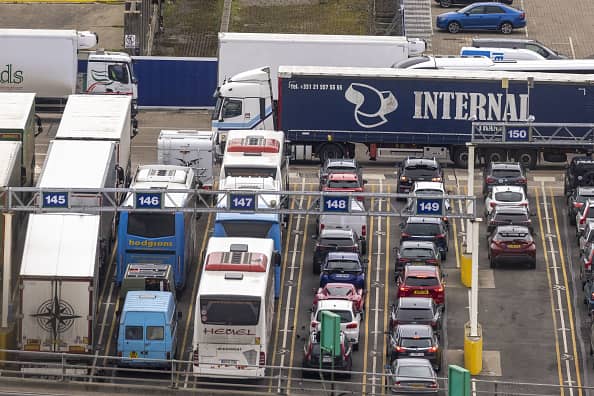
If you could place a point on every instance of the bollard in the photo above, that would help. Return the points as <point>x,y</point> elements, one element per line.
<point>473,350</point>
<point>466,269</point>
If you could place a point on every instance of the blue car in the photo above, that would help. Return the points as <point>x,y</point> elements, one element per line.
<point>343,267</point>
<point>483,16</point>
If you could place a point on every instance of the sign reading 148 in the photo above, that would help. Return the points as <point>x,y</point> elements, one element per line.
<point>336,204</point>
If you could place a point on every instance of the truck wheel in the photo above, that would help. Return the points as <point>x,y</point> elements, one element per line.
<point>495,156</point>
<point>527,158</point>
<point>330,151</point>
<point>461,157</point>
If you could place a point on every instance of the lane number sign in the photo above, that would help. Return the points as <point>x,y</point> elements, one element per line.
<point>148,200</point>
<point>336,204</point>
<point>54,199</point>
<point>242,201</point>
<point>429,206</point>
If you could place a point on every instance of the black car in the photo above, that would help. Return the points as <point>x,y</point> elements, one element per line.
<point>579,172</point>
<point>504,174</point>
<point>431,229</point>
<point>414,340</point>
<point>449,3</point>
<point>339,165</point>
<point>336,240</point>
<point>416,253</point>
<point>576,199</point>
<point>412,170</point>
<point>509,215</point>
<point>417,310</point>
<point>311,359</point>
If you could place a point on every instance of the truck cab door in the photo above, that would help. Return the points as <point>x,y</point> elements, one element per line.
<point>111,78</point>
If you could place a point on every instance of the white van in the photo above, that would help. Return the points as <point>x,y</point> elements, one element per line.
<point>501,54</point>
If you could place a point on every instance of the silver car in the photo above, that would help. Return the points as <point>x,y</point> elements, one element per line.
<point>411,375</point>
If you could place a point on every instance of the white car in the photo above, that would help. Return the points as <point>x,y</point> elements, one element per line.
<point>350,320</point>
<point>429,188</point>
<point>582,217</point>
<point>505,196</point>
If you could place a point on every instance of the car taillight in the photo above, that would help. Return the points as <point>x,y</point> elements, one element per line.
<point>588,264</point>
<point>404,235</point>
<point>524,204</point>
<point>440,236</point>
<point>363,230</point>
<point>431,261</point>
<point>314,324</point>
<point>523,15</point>
<point>398,348</point>
<point>262,358</point>
<point>403,260</point>
<point>360,199</point>
<point>433,385</point>
<point>578,204</point>
<point>322,226</point>
<point>492,204</point>
<point>433,349</point>
<point>582,220</point>
<point>403,178</point>
<point>397,383</point>
<point>403,288</point>
<point>522,180</point>
<point>490,180</point>
<point>352,325</point>
<point>436,179</point>
<point>439,289</point>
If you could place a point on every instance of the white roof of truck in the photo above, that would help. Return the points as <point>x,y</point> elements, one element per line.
<point>15,109</point>
<point>61,245</point>
<point>168,177</point>
<point>314,38</point>
<point>76,164</point>
<point>8,152</point>
<point>95,116</point>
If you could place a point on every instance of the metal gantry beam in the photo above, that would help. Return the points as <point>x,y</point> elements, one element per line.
<point>94,201</point>
<point>533,133</point>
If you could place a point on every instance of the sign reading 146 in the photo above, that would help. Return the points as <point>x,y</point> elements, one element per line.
<point>148,200</point>
<point>431,206</point>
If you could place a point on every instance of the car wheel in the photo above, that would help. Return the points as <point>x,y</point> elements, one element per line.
<point>461,157</point>
<point>445,3</point>
<point>356,347</point>
<point>528,158</point>
<point>453,27</point>
<point>443,255</point>
<point>506,28</point>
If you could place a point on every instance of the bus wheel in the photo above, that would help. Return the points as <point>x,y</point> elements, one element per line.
<point>330,151</point>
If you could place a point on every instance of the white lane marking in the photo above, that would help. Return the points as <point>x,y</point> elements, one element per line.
<point>374,176</point>
<point>571,46</point>
<point>379,256</point>
<point>542,179</point>
<point>526,28</point>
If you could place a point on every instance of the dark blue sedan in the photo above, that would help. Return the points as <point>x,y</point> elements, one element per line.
<point>343,267</point>
<point>483,16</point>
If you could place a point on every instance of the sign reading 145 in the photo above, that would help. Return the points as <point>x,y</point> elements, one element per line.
<point>54,200</point>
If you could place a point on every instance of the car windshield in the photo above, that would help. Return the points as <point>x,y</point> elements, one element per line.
<point>421,372</point>
<point>420,171</point>
<point>339,291</point>
<point>345,316</point>
<point>506,173</point>
<point>416,252</point>
<point>343,265</point>
<point>336,242</point>
<point>343,184</point>
<point>416,342</point>
<point>422,229</point>
<point>511,218</point>
<point>407,314</point>
<point>421,281</point>
<point>508,196</point>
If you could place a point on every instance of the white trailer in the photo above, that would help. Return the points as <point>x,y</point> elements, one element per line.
<point>239,52</point>
<point>191,148</point>
<point>96,117</point>
<point>11,227</point>
<point>59,283</point>
<point>46,62</point>
<point>84,164</point>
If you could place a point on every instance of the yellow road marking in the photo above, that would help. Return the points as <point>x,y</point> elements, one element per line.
<point>386,292</point>
<point>546,257</point>
<point>368,288</point>
<point>567,297</point>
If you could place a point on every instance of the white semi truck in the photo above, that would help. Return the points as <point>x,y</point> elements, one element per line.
<point>45,61</point>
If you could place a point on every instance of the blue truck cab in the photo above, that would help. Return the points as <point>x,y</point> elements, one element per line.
<point>147,335</point>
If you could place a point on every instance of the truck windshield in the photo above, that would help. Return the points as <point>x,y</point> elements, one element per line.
<point>242,171</point>
<point>253,229</point>
<point>151,225</point>
<point>230,310</point>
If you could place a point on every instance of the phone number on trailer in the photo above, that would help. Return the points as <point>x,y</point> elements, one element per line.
<point>315,87</point>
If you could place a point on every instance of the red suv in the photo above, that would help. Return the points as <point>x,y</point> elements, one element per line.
<point>344,182</point>
<point>421,281</point>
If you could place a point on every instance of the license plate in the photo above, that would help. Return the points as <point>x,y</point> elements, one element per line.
<point>416,385</point>
<point>417,354</point>
<point>133,355</point>
<point>514,246</point>
<point>228,361</point>
<point>327,359</point>
<point>342,275</point>
<point>418,262</point>
<point>421,292</point>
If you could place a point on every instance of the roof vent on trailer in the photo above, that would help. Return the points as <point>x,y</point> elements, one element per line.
<point>236,260</point>
<point>159,174</point>
<point>253,145</point>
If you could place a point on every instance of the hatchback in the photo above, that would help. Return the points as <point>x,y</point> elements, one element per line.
<point>505,196</point>
<point>311,357</point>
<point>342,165</point>
<point>411,375</point>
<point>509,215</point>
<point>431,229</point>
<point>412,170</point>
<point>417,310</point>
<point>341,291</point>
<point>416,253</point>
<point>576,199</point>
<point>586,258</point>
<point>421,281</point>
<point>336,240</point>
<point>350,320</point>
<point>343,267</point>
<point>585,213</point>
<point>512,244</point>
<point>504,174</point>
<point>413,340</point>
<point>483,16</point>
<point>344,182</point>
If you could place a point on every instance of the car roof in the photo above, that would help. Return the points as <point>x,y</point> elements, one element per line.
<point>494,3</point>
<point>506,39</point>
<point>414,302</point>
<point>413,362</point>
<point>420,270</point>
<point>343,176</point>
<point>419,219</point>
<point>417,244</point>
<point>508,188</point>
<point>429,185</point>
<point>337,232</point>
<point>510,209</point>
<point>428,162</point>
<point>512,229</point>
<point>343,256</point>
<point>332,285</point>
<point>504,165</point>
<point>412,330</point>
<point>344,305</point>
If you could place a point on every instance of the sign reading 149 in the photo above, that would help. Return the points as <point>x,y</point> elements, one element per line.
<point>429,206</point>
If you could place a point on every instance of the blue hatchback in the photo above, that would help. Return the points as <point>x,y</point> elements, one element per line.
<point>343,267</point>
<point>483,16</point>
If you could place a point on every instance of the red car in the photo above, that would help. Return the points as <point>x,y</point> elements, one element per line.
<point>512,244</point>
<point>344,182</point>
<point>421,281</point>
<point>341,291</point>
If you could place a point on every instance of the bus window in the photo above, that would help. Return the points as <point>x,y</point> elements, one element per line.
<point>151,225</point>
<point>253,229</point>
<point>134,332</point>
<point>221,311</point>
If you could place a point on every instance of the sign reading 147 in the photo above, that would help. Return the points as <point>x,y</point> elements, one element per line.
<point>242,201</point>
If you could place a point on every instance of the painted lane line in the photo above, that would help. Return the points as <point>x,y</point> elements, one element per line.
<point>376,303</point>
<point>367,298</point>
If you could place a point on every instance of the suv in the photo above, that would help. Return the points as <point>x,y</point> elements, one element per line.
<point>431,229</point>
<point>412,170</point>
<point>503,174</point>
<point>417,310</point>
<point>532,45</point>
<point>343,267</point>
<point>576,200</point>
<point>341,165</point>
<point>337,240</point>
<point>421,281</point>
<point>350,319</point>
<point>579,172</point>
<point>414,340</point>
<point>509,215</point>
<point>416,253</point>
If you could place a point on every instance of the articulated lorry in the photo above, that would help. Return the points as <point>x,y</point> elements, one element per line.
<point>46,62</point>
<point>325,111</point>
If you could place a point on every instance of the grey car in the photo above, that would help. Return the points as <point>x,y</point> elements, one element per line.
<point>522,43</point>
<point>411,375</point>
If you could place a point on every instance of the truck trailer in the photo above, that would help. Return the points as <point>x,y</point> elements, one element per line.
<point>324,111</point>
<point>100,118</point>
<point>45,61</point>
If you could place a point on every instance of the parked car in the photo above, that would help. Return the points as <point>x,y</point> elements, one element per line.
<point>587,236</point>
<point>519,43</point>
<point>512,244</point>
<point>350,319</point>
<point>341,291</point>
<point>509,215</point>
<point>416,253</point>
<point>483,16</point>
<point>504,174</point>
<point>421,281</point>
<point>449,3</point>
<point>579,172</point>
<point>586,258</point>
<point>343,267</point>
<point>311,357</point>
<point>414,341</point>
<point>589,295</point>
<point>355,222</point>
<point>585,213</point>
<point>417,310</point>
<point>431,229</point>
<point>342,165</point>
<point>411,375</point>
<point>430,189</point>
<point>576,199</point>
<point>336,240</point>
<point>505,196</point>
<point>413,169</point>
<point>344,182</point>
